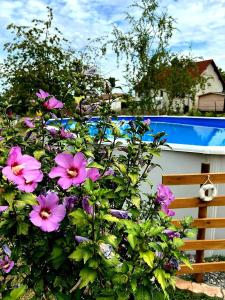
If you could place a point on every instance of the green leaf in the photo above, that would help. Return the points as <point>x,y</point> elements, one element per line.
<point>178,242</point>
<point>142,294</point>
<point>18,293</point>
<point>39,153</point>
<point>133,177</point>
<point>88,153</point>
<point>87,275</point>
<point>111,239</point>
<point>121,167</point>
<point>148,257</point>
<point>132,239</point>
<point>105,298</point>
<point>80,253</point>
<point>162,277</point>
<point>95,165</point>
<point>61,296</point>
<point>57,257</point>
<point>110,218</point>
<point>79,217</point>
<point>186,261</point>
<point>22,228</point>
<point>135,200</point>
<point>9,197</point>
<point>29,199</point>
<point>89,185</point>
<point>133,284</point>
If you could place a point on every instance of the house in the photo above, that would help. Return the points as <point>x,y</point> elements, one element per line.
<point>116,99</point>
<point>208,98</point>
<point>211,98</point>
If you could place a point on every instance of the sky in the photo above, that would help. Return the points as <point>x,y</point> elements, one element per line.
<point>200,24</point>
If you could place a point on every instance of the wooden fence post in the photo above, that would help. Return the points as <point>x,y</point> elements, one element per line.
<point>202,213</point>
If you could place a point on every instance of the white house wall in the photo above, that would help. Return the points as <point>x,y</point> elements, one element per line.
<point>213,84</point>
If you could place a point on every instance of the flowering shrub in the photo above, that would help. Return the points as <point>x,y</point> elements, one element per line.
<point>74,220</point>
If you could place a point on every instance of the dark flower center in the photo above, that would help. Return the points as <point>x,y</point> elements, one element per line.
<point>72,172</point>
<point>45,213</point>
<point>6,265</point>
<point>17,169</point>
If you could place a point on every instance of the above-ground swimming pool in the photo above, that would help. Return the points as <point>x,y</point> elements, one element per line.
<point>191,134</point>
<point>193,141</point>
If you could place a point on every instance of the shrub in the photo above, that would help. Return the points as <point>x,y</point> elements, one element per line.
<point>74,222</point>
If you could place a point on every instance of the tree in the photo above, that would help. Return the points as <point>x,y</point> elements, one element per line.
<point>40,57</point>
<point>150,65</point>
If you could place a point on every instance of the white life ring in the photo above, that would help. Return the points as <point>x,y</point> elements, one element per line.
<point>210,189</point>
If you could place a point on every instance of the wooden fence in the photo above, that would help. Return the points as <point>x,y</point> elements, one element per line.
<point>202,223</point>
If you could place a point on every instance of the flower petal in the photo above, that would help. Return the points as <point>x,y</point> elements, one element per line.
<point>79,160</point>
<point>57,172</point>
<point>65,183</point>
<point>64,160</point>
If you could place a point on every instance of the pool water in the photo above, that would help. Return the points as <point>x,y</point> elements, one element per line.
<point>179,130</point>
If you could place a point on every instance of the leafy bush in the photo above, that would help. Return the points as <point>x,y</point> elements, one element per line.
<point>75,223</point>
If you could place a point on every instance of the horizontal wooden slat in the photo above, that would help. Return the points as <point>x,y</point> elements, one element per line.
<point>205,223</point>
<point>203,268</point>
<point>197,178</point>
<point>196,202</point>
<point>204,245</point>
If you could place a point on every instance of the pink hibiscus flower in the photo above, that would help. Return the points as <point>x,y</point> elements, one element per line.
<point>22,169</point>
<point>31,180</point>
<point>71,169</point>
<point>53,103</point>
<point>3,208</point>
<point>93,174</point>
<point>48,214</point>
<point>66,134</point>
<point>42,94</point>
<point>6,264</point>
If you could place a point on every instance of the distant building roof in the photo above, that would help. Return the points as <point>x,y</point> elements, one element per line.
<point>203,64</point>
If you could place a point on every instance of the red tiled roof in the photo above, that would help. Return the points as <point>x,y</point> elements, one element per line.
<point>202,65</point>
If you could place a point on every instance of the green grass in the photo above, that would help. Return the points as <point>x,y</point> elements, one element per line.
<point>186,295</point>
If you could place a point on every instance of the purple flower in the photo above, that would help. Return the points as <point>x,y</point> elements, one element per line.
<point>71,169</point>
<point>48,214</point>
<point>53,131</point>
<point>42,94</point>
<point>6,264</point>
<point>69,202</point>
<point>1,138</point>
<point>171,233</point>
<point>109,172</point>
<point>147,122</point>
<point>87,207</point>
<point>167,211</point>
<point>6,250</point>
<point>3,208</point>
<point>120,214</point>
<point>28,122</point>
<point>93,174</point>
<point>164,195</point>
<point>53,103</point>
<point>81,239</point>
<point>65,134</point>
<point>172,264</point>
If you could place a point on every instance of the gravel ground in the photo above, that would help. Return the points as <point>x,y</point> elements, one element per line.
<point>216,279</point>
